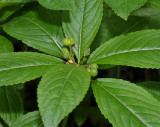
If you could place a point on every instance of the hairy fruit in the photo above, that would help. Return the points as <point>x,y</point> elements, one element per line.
<point>65,53</point>
<point>94,72</point>
<point>94,66</point>
<point>66,41</point>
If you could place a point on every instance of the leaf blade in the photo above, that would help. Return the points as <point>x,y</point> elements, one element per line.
<point>12,106</point>
<point>6,45</point>
<point>67,87</point>
<point>137,49</point>
<point>152,87</point>
<point>113,25</point>
<point>123,8</point>
<point>125,103</point>
<point>87,23</point>
<point>21,67</point>
<point>8,2</point>
<point>155,4</point>
<point>56,5</point>
<point>31,119</point>
<point>39,28</point>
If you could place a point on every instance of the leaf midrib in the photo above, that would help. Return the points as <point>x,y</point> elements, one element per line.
<point>17,67</point>
<point>44,31</point>
<point>8,100</point>
<point>81,30</point>
<point>125,106</point>
<point>125,51</point>
<point>59,95</point>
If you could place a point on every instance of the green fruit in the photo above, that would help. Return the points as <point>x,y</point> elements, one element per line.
<point>66,41</point>
<point>94,72</point>
<point>65,53</point>
<point>72,41</point>
<point>94,66</point>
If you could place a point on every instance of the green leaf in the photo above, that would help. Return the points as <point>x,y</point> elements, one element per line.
<point>152,15</point>
<point>4,3</point>
<point>137,49</point>
<point>105,66</point>
<point>11,104</point>
<point>112,25</point>
<point>152,87</point>
<point>13,1</point>
<point>123,8</point>
<point>56,4</point>
<point>60,91</point>
<point>86,15</point>
<point>145,12</point>
<point>39,28</point>
<point>21,67</point>
<point>26,1</point>
<point>125,104</point>
<point>8,11</point>
<point>5,45</point>
<point>32,119</point>
<point>155,4</point>
<point>154,22</point>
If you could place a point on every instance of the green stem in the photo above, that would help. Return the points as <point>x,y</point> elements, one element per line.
<point>118,72</point>
<point>64,122</point>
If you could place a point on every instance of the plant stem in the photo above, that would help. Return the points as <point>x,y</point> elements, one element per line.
<point>64,122</point>
<point>118,72</point>
<point>70,47</point>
